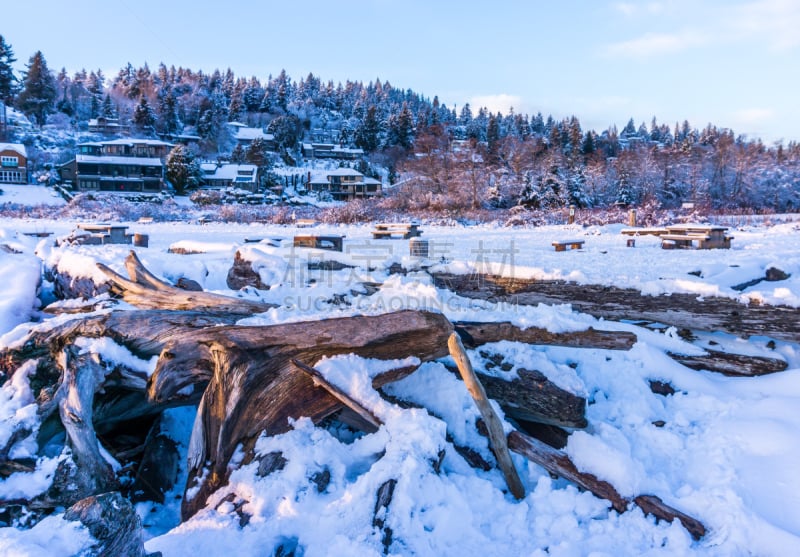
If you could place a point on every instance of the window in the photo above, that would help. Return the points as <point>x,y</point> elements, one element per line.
<point>9,176</point>
<point>9,161</point>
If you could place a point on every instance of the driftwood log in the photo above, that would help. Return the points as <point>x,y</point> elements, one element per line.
<point>475,334</point>
<point>732,365</point>
<point>246,380</point>
<point>558,463</point>
<point>681,310</point>
<point>253,387</point>
<point>144,290</point>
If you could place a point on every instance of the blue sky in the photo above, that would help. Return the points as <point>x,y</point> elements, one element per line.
<point>735,63</point>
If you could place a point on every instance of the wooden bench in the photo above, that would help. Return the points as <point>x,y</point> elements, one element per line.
<point>671,241</point>
<point>387,230</point>
<point>562,245</point>
<point>305,223</point>
<point>332,243</point>
<point>145,220</point>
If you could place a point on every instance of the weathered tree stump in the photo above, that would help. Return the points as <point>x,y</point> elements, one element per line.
<point>112,521</point>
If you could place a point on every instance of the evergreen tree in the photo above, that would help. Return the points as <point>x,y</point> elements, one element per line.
<point>655,131</point>
<point>367,134</point>
<point>537,124</point>
<point>588,147</point>
<point>476,129</point>
<point>63,86</point>
<point>107,109</point>
<point>38,95</point>
<point>625,193</point>
<point>252,95</point>
<point>167,112</point>
<point>7,80</point>
<point>94,85</point>
<point>576,187</point>
<point>465,118</point>
<point>574,136</point>
<point>212,125</point>
<point>237,155</point>
<point>401,128</point>
<point>182,170</point>
<point>629,129</point>
<point>493,139</point>
<point>144,119</point>
<point>236,108</point>
<point>287,131</point>
<point>256,153</point>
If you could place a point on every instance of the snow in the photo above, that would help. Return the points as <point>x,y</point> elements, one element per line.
<point>726,453</point>
<point>52,537</point>
<point>30,195</point>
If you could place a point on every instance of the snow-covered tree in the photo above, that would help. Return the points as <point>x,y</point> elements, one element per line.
<point>144,119</point>
<point>8,82</point>
<point>38,95</point>
<point>367,133</point>
<point>182,169</point>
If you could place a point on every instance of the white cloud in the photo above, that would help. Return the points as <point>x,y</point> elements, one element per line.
<point>497,103</point>
<point>655,44</point>
<point>774,21</point>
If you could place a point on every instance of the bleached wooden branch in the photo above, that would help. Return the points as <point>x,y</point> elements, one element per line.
<point>497,437</point>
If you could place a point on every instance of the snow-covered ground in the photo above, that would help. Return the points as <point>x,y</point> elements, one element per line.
<point>726,454</point>
<point>29,195</point>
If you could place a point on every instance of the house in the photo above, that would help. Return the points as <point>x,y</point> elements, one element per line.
<point>13,163</point>
<point>245,135</point>
<point>344,184</point>
<point>330,151</point>
<point>121,165</point>
<point>107,126</point>
<point>227,175</point>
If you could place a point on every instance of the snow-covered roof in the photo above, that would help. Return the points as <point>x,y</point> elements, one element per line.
<point>249,134</point>
<point>322,177</point>
<point>343,172</point>
<point>332,148</point>
<point>17,147</point>
<point>111,122</point>
<point>130,142</point>
<point>112,159</point>
<point>233,172</point>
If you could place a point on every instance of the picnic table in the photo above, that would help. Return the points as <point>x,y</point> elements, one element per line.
<point>385,231</point>
<point>106,233</point>
<point>695,236</point>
